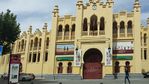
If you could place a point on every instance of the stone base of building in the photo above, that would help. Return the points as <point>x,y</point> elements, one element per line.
<point>59,77</point>
<point>122,76</point>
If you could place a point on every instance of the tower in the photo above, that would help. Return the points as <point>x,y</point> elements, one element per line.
<point>55,16</point>
<point>137,45</point>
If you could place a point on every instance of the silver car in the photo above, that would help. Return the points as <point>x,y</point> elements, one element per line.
<point>25,77</point>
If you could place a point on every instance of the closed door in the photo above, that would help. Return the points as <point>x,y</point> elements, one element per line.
<point>92,71</point>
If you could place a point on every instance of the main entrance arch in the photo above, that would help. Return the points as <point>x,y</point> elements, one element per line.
<point>92,68</point>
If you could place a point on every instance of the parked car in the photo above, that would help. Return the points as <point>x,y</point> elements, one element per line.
<point>4,76</point>
<point>32,75</point>
<point>146,75</point>
<point>25,77</point>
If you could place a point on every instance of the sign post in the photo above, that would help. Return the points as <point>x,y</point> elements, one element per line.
<point>14,68</point>
<point>1,49</point>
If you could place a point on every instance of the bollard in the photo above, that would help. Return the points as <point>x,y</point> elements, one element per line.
<point>60,83</point>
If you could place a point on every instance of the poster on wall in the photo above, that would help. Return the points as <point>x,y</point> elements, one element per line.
<point>108,57</point>
<point>64,49</point>
<point>77,57</point>
<point>123,47</point>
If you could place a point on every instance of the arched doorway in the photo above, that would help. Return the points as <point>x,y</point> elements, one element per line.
<point>60,68</point>
<point>69,68</point>
<point>92,68</point>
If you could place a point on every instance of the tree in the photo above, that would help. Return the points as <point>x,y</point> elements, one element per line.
<point>9,30</point>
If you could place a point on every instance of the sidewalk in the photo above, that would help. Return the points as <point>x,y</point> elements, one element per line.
<point>101,81</point>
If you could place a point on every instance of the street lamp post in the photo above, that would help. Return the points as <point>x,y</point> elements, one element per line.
<point>9,64</point>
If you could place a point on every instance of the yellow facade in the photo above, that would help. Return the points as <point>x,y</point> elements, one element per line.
<point>100,31</point>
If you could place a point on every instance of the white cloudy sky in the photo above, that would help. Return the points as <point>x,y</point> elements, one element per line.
<point>37,12</point>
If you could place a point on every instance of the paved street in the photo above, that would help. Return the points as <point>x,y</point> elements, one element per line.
<point>103,81</point>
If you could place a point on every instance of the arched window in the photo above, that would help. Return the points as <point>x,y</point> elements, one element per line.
<point>47,42</point>
<point>31,44</point>
<point>69,68</point>
<point>93,24</point>
<point>46,56</point>
<point>66,34</point>
<point>60,67</point>
<point>114,27</point>
<point>60,30</point>
<point>102,23</point>
<point>22,44</point>
<point>38,59</point>
<point>73,27</point>
<point>129,27</point>
<point>73,31</point>
<point>19,46</point>
<point>145,38</point>
<point>122,27</point>
<point>67,30</point>
<point>117,67</point>
<point>85,26</point>
<point>40,42</point>
<point>36,42</point>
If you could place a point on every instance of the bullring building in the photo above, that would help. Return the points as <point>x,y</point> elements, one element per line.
<point>94,43</point>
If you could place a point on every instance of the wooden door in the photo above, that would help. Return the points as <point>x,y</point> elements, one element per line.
<point>92,71</point>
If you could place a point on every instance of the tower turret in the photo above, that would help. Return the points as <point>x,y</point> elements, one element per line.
<point>137,6</point>
<point>29,30</point>
<point>45,27</point>
<point>148,22</point>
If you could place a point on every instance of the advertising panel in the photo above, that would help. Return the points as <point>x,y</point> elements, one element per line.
<point>14,68</point>
<point>14,73</point>
<point>77,57</point>
<point>108,57</point>
<point>64,49</point>
<point>123,47</point>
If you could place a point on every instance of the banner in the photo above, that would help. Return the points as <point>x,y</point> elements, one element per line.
<point>77,57</point>
<point>64,49</point>
<point>1,50</point>
<point>108,57</point>
<point>123,47</point>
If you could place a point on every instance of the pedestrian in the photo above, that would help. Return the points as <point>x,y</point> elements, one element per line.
<point>115,75</point>
<point>127,75</point>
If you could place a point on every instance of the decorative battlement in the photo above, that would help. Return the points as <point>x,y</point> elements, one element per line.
<point>72,18</point>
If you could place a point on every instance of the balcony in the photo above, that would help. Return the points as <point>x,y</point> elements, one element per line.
<point>84,33</point>
<point>129,35</point>
<point>101,32</point>
<point>115,35</point>
<point>72,37</point>
<point>66,37</point>
<point>93,33</point>
<point>59,38</point>
<point>122,34</point>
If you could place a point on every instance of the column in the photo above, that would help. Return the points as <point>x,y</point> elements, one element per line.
<point>63,33</point>
<point>98,28</point>
<point>88,29</point>
<point>125,30</point>
<point>118,31</point>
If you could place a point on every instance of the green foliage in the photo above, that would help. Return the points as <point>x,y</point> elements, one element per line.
<point>9,30</point>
